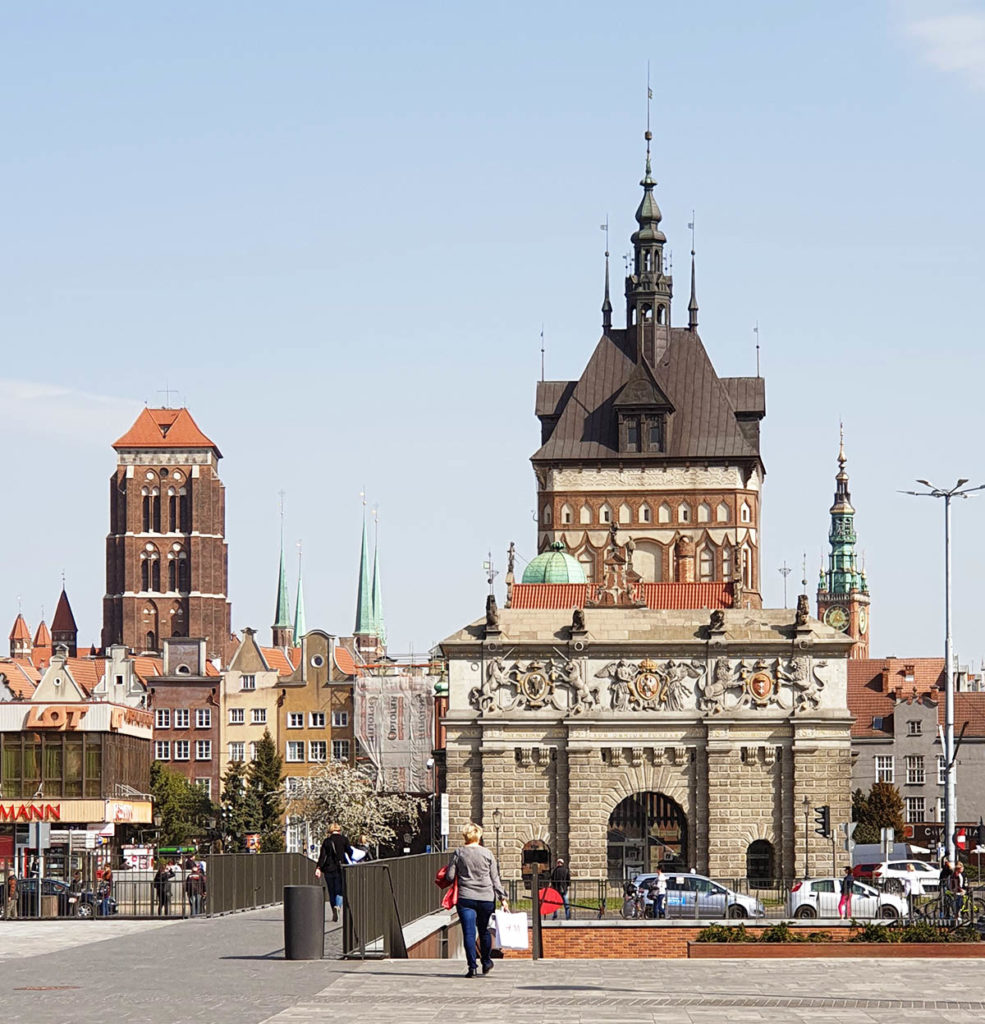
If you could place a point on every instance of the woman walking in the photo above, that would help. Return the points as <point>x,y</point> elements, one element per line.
<point>845,903</point>
<point>478,886</point>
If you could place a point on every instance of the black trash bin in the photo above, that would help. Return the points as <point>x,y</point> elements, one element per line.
<point>304,922</point>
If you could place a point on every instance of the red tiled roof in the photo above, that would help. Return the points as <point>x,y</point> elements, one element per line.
<point>86,672</point>
<point>64,620</point>
<point>20,630</point>
<point>22,677</point>
<point>42,637</point>
<point>875,685</point>
<point>277,658</point>
<point>672,596</point>
<point>165,428</point>
<point>344,662</point>
<point>146,667</point>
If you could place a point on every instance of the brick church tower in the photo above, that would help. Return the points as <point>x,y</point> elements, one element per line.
<point>166,552</point>
<point>652,441</point>
<point>842,591</point>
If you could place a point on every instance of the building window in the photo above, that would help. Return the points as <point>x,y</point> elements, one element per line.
<point>663,513</point>
<point>625,513</point>
<point>605,514</point>
<point>162,718</point>
<point>727,563</point>
<point>247,682</point>
<point>706,565</point>
<point>237,751</point>
<point>203,718</point>
<point>295,719</point>
<point>316,720</point>
<point>293,784</point>
<point>941,770</point>
<point>914,809</point>
<point>340,719</point>
<point>203,750</point>
<point>547,515</point>
<point>745,513</point>
<point>295,750</point>
<point>684,513</point>
<point>632,434</point>
<point>237,716</point>
<point>259,716</point>
<point>181,718</point>
<point>205,785</point>
<point>940,808</point>
<point>884,770</point>
<point>645,513</point>
<point>704,513</point>
<point>181,748</point>
<point>721,513</point>
<point>340,750</point>
<point>914,728</point>
<point>585,515</point>
<point>655,433</point>
<point>317,750</point>
<point>567,515</point>
<point>162,750</point>
<point>915,775</point>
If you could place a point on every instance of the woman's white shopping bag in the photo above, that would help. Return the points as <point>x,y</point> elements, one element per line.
<point>511,930</point>
<point>493,933</point>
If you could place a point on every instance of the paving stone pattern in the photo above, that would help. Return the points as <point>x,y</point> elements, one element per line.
<point>232,969</point>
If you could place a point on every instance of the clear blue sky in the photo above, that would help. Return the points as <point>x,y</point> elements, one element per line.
<point>336,230</point>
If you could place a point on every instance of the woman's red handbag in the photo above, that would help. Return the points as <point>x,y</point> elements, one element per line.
<point>450,898</point>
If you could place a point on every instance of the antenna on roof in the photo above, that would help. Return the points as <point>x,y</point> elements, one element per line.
<point>63,579</point>
<point>755,331</point>
<point>491,572</point>
<point>542,352</point>
<point>649,97</point>
<point>803,581</point>
<point>167,392</point>
<point>785,571</point>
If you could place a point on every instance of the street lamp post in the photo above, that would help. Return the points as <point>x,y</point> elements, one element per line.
<point>950,794</point>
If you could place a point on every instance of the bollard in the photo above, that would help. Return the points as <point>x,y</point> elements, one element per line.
<point>304,922</point>
<point>537,944</point>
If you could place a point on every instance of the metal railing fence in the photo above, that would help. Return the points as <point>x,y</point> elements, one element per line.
<point>383,896</point>
<point>242,881</point>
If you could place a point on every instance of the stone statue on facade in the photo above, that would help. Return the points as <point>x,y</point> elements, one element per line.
<point>717,622</point>
<point>585,695</point>
<point>712,691</point>
<point>677,693</point>
<point>577,622</point>
<point>492,615</point>
<point>620,675</point>
<point>805,684</point>
<point>803,611</point>
<point>484,698</point>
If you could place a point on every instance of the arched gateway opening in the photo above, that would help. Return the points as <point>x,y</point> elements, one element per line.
<point>646,830</point>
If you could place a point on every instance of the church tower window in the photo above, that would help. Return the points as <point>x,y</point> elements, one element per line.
<point>172,510</point>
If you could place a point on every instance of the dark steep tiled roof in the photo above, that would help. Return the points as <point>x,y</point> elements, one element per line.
<point>703,424</point>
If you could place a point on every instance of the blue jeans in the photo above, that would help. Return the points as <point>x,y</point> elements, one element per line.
<point>660,910</point>
<point>474,915</point>
<point>333,883</point>
<point>567,908</point>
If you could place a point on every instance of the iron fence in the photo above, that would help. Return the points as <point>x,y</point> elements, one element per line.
<point>242,881</point>
<point>383,896</point>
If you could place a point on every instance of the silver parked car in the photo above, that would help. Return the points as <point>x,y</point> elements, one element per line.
<point>685,890</point>
<point>819,897</point>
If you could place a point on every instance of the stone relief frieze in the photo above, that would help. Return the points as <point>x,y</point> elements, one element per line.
<point>722,685</point>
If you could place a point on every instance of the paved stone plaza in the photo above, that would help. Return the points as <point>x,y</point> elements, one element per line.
<point>231,969</point>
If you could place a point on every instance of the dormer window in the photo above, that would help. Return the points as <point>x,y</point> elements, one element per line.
<point>641,433</point>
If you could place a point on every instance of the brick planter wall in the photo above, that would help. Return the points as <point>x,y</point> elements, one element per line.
<point>809,950</point>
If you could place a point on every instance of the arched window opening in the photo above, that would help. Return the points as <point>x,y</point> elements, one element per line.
<point>185,510</point>
<point>645,514</point>
<point>648,313</point>
<point>144,573</point>
<point>155,507</point>
<point>706,565</point>
<point>172,575</point>
<point>155,575</point>
<point>661,314</point>
<point>746,568</point>
<point>684,513</point>
<point>726,563</point>
<point>625,513</point>
<point>585,516</point>
<point>663,514</point>
<point>547,515</point>
<point>746,513</point>
<point>721,513</point>
<point>760,862</point>
<point>646,831</point>
<point>184,574</point>
<point>567,515</point>
<point>605,514</point>
<point>172,511</point>
<point>146,509</point>
<point>704,513</point>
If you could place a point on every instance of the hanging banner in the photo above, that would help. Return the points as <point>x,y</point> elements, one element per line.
<point>395,729</point>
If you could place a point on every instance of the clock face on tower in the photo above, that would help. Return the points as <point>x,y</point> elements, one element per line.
<point>837,617</point>
<point>863,621</point>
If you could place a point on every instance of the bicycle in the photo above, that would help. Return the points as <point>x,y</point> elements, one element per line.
<point>634,904</point>
<point>942,908</point>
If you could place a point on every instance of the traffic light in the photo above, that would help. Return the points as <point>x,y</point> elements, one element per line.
<point>822,818</point>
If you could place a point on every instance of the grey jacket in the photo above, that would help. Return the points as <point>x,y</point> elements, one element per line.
<point>478,877</point>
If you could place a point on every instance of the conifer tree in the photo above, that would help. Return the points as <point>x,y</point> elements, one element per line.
<point>264,782</point>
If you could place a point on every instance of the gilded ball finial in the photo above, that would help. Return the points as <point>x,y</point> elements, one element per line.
<point>648,135</point>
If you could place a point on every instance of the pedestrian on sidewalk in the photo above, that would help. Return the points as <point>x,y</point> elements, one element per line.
<point>845,903</point>
<point>660,890</point>
<point>560,880</point>
<point>162,888</point>
<point>955,889</point>
<point>75,892</point>
<point>11,909</point>
<point>910,885</point>
<point>105,890</point>
<point>336,852</point>
<point>478,886</point>
<point>195,890</point>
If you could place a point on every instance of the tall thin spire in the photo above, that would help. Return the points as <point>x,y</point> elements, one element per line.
<point>843,573</point>
<point>364,594</point>
<point>378,626</point>
<point>692,306</point>
<point>606,302</point>
<point>282,631</point>
<point>300,626</point>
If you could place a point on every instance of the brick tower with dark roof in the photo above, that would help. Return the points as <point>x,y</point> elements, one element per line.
<point>650,439</point>
<point>64,631</point>
<point>166,552</point>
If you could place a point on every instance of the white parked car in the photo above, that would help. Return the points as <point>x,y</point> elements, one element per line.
<point>819,897</point>
<point>713,899</point>
<point>925,876</point>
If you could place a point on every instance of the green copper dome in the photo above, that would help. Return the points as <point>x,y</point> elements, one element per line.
<point>554,566</point>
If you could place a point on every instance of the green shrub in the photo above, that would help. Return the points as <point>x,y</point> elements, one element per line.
<point>875,933</point>
<point>820,937</point>
<point>922,931</point>
<point>963,933</point>
<point>781,932</point>
<point>725,933</point>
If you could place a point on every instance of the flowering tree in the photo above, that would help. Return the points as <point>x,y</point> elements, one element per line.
<point>340,793</point>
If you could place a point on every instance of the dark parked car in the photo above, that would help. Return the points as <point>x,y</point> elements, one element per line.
<point>88,904</point>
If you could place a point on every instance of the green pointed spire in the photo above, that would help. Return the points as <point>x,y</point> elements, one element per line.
<point>300,627</point>
<point>378,627</point>
<point>282,615</point>
<point>365,625</point>
<point>843,574</point>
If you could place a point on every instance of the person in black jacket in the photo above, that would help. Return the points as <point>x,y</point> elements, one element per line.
<point>560,880</point>
<point>335,851</point>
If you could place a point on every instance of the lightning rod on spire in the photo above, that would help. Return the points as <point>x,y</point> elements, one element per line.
<point>542,352</point>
